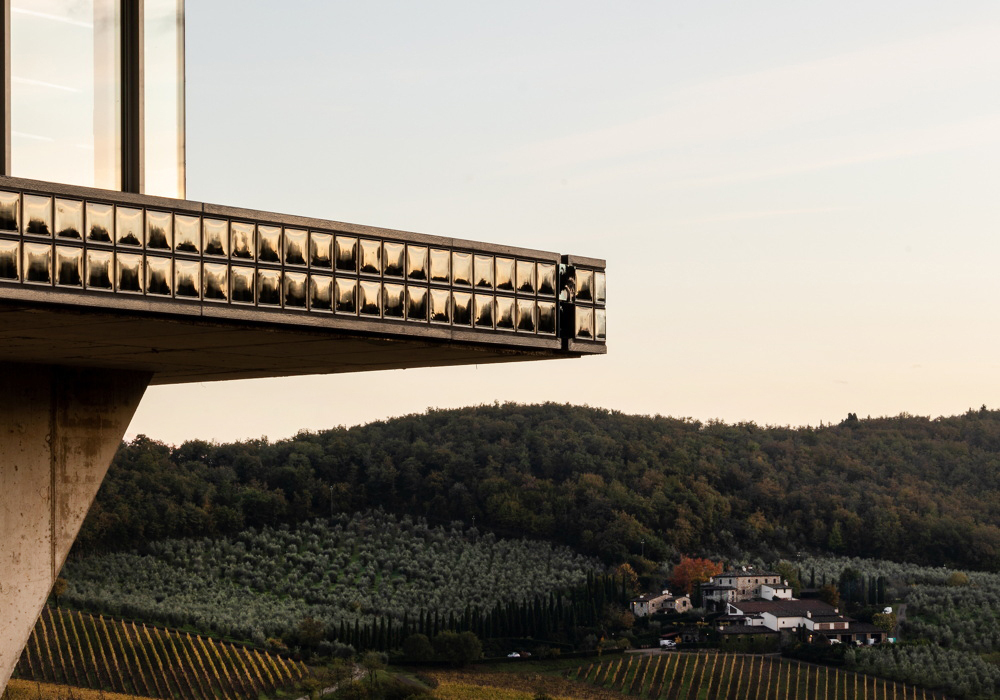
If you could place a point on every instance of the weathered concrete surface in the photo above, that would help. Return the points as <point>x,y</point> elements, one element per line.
<point>59,430</point>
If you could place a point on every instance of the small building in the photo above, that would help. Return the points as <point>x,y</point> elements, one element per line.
<point>749,638</point>
<point>663,602</point>
<point>734,586</point>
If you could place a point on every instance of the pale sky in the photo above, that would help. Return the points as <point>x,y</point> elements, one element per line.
<point>799,203</point>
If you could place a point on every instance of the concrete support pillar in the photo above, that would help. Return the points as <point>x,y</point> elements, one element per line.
<point>59,430</point>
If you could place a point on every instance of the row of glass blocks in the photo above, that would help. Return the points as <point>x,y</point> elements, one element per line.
<point>130,228</point>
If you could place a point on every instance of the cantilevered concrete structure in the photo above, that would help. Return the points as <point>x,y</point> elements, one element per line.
<point>106,287</point>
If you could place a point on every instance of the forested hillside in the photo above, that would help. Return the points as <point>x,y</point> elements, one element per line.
<point>608,484</point>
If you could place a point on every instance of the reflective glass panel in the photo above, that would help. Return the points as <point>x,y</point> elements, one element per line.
<point>241,240</point>
<point>483,272</point>
<point>38,215</point>
<point>416,303</point>
<point>241,284</point>
<point>10,260</point>
<point>484,311</point>
<point>159,230</point>
<point>462,308</point>
<point>584,285</point>
<point>215,281</point>
<point>100,269</point>
<point>100,222</point>
<point>320,245</point>
<point>440,265</point>
<point>546,279</point>
<point>346,296</point>
<point>461,269</point>
<point>547,317</point>
<point>320,293</point>
<point>65,91</point>
<point>296,242</point>
<point>370,298</point>
<point>10,205</point>
<point>440,306</point>
<point>600,324</point>
<point>187,234</point>
<point>163,95</point>
<point>584,322</point>
<point>526,315</point>
<point>215,235</point>
<point>269,244</point>
<point>269,287</point>
<point>38,263</point>
<point>525,277</point>
<point>505,313</point>
<point>69,266</point>
<point>371,257</point>
<point>295,289</point>
<point>128,226</point>
<point>393,253</point>
<point>159,276</point>
<point>345,253</point>
<point>505,274</point>
<point>187,278</point>
<point>394,301</point>
<point>600,287</point>
<point>69,218</point>
<point>416,262</point>
<point>129,273</point>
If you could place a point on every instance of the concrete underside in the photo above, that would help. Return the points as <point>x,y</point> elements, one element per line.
<point>59,430</point>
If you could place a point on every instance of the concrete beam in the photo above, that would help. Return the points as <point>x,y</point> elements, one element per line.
<point>59,430</point>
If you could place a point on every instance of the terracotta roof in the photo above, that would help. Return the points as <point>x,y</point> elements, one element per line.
<point>747,629</point>
<point>785,608</point>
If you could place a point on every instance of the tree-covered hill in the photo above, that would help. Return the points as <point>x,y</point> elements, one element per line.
<point>614,485</point>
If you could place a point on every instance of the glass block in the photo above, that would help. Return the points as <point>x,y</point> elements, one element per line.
<point>100,269</point>
<point>440,261</point>
<point>159,230</point>
<point>269,244</point>
<point>461,269</point>
<point>547,279</point>
<point>38,215</point>
<point>547,317</point>
<point>345,296</point>
<point>38,263</point>
<point>320,249</point>
<point>241,240</point>
<point>69,265</point>
<point>128,226</point>
<point>584,322</point>
<point>215,282</point>
<point>241,287</point>
<point>483,311</point>
<point>370,298</point>
<point>505,274</point>
<point>296,246</point>
<point>416,303</point>
<point>600,324</point>
<point>393,255</point>
<point>600,287</point>
<point>100,222</point>
<point>268,286</point>
<point>128,273</point>
<point>10,214</point>
<point>371,257</point>
<point>393,301</point>
<point>295,289</point>
<point>440,306</point>
<point>159,276</point>
<point>483,271</point>
<point>187,278</point>
<point>416,262</point>
<point>525,316</point>
<point>345,253</point>
<point>69,218</point>
<point>525,276</point>
<point>461,308</point>
<point>187,235</point>
<point>584,285</point>
<point>320,293</point>
<point>10,260</point>
<point>505,313</point>
<point>215,236</point>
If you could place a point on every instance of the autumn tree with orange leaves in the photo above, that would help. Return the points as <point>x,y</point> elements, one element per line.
<point>691,571</point>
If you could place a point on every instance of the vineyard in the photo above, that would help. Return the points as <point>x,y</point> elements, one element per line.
<point>674,676</point>
<point>86,651</point>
